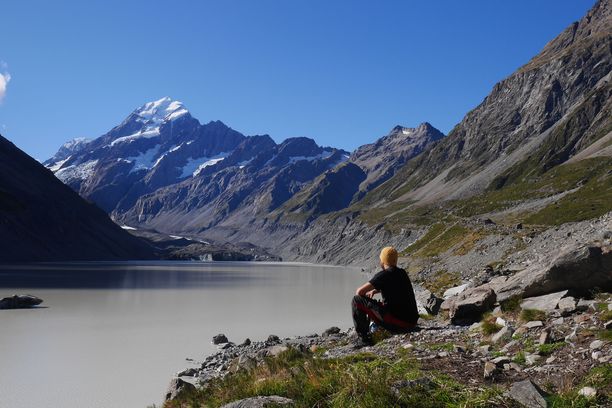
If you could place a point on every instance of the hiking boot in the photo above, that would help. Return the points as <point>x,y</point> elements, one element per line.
<point>362,342</point>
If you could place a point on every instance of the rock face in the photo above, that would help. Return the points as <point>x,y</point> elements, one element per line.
<point>19,302</point>
<point>579,268</point>
<point>382,159</point>
<point>176,387</point>
<point>41,219</point>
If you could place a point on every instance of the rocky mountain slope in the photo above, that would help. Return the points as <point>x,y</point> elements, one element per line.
<point>41,219</point>
<point>535,152</point>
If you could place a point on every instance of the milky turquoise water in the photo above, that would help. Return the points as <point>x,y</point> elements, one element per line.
<point>113,334</point>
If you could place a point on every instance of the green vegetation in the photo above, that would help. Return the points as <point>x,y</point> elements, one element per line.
<point>547,349</point>
<point>440,238</point>
<point>591,174</point>
<point>520,358</point>
<point>599,378</point>
<point>442,281</point>
<point>512,304</point>
<point>362,380</point>
<point>528,315</point>
<point>489,326</point>
<point>605,335</point>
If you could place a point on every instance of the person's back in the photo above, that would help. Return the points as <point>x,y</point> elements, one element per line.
<point>397,293</point>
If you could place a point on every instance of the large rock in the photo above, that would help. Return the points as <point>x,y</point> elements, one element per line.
<point>219,339</point>
<point>545,303</point>
<point>577,267</point>
<point>528,394</point>
<point>176,387</point>
<point>427,302</point>
<point>19,302</point>
<point>259,402</point>
<point>469,305</point>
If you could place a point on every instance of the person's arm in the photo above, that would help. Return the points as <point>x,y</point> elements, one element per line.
<point>367,289</point>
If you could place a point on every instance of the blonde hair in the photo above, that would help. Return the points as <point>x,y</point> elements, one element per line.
<point>388,256</point>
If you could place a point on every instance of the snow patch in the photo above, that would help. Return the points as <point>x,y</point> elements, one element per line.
<point>58,165</point>
<point>144,161</point>
<point>127,227</point>
<point>195,166</point>
<point>324,155</point>
<point>80,171</point>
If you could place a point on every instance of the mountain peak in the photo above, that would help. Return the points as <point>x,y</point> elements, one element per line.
<point>161,110</point>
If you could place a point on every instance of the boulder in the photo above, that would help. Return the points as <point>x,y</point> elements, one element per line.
<point>528,394</point>
<point>546,303</point>
<point>576,267</point>
<point>19,302</point>
<point>470,304</point>
<point>331,331</point>
<point>219,339</point>
<point>432,306</point>
<point>259,402</point>
<point>178,386</point>
<point>567,306</point>
<point>455,290</point>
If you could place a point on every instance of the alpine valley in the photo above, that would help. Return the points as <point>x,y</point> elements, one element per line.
<point>532,160</point>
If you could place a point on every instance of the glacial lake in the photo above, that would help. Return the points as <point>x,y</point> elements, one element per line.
<point>113,334</point>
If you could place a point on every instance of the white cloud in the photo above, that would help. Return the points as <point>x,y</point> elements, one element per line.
<point>5,78</point>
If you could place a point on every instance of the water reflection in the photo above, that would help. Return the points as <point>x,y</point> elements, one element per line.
<point>125,276</point>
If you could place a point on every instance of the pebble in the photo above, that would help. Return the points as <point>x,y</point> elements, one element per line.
<point>551,359</point>
<point>588,392</point>
<point>489,370</point>
<point>557,322</point>
<point>533,324</point>
<point>608,325</point>
<point>596,355</point>
<point>596,345</point>
<point>531,359</point>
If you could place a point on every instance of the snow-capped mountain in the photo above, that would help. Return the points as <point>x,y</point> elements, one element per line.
<point>162,160</point>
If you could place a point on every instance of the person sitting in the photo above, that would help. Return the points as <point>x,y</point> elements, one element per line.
<point>397,313</point>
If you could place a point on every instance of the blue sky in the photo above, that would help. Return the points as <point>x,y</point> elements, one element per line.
<point>342,72</point>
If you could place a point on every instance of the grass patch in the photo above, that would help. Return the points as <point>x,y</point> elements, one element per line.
<point>442,281</point>
<point>547,349</point>
<point>592,200</point>
<point>600,378</point>
<point>528,315</point>
<point>520,358</point>
<point>489,326</point>
<point>431,234</point>
<point>512,304</point>
<point>605,335</point>
<point>469,242</point>
<point>360,381</point>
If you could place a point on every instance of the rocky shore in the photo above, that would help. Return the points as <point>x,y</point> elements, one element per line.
<point>538,337</point>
